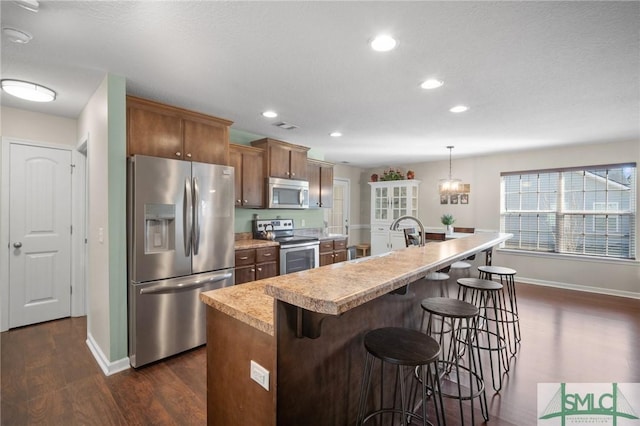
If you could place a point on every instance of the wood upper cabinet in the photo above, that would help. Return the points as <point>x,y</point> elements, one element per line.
<point>284,160</point>
<point>249,175</point>
<point>320,175</point>
<point>164,131</point>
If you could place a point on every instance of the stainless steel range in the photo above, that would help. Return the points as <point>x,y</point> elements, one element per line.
<point>297,252</point>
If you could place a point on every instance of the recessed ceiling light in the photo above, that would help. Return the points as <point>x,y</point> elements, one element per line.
<point>270,114</point>
<point>335,134</point>
<point>17,36</point>
<point>432,83</point>
<point>28,91</point>
<point>30,5</point>
<point>459,108</point>
<point>383,43</point>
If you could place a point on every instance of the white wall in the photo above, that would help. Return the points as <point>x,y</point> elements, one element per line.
<point>106,324</point>
<point>483,211</point>
<point>37,127</point>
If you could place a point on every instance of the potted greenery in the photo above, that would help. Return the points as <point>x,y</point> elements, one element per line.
<point>448,220</point>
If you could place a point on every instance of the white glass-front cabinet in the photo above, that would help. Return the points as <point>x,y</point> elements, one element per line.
<point>389,201</point>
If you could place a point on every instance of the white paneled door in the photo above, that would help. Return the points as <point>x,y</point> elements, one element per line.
<point>40,234</point>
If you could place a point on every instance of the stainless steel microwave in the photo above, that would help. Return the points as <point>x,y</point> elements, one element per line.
<point>287,193</point>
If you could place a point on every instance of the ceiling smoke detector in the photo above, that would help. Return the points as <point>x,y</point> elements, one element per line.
<point>285,126</point>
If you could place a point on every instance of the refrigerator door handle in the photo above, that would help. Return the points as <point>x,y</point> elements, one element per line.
<point>158,289</point>
<point>196,219</point>
<point>187,215</point>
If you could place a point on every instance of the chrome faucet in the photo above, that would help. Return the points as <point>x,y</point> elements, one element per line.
<point>396,223</point>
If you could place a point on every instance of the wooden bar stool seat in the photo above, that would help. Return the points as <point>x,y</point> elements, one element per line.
<point>402,348</point>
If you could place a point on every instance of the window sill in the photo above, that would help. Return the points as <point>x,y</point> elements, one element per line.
<point>573,257</point>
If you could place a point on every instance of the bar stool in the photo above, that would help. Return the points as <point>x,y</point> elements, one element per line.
<point>459,354</point>
<point>412,238</point>
<point>487,296</point>
<point>507,279</point>
<point>403,348</point>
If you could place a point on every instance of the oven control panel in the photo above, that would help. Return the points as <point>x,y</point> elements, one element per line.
<point>273,225</point>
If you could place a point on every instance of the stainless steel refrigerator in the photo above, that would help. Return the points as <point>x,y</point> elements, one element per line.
<point>180,243</point>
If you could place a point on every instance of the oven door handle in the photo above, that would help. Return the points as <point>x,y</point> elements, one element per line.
<point>290,246</point>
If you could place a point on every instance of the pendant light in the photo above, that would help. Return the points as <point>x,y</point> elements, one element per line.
<point>451,185</point>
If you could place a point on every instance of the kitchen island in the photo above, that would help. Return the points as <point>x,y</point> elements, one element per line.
<point>307,330</point>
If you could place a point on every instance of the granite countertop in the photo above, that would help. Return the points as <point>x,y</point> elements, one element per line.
<point>337,288</point>
<point>251,244</point>
<point>245,302</point>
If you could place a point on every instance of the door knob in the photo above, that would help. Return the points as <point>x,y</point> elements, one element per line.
<point>17,245</point>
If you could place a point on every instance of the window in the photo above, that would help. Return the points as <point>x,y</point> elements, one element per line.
<point>588,211</point>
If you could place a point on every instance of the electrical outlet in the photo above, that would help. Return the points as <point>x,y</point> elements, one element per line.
<point>259,374</point>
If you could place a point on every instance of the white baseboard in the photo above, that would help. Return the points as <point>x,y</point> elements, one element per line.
<point>588,289</point>
<point>108,367</point>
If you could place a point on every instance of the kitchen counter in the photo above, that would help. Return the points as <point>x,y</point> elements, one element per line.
<point>319,317</point>
<point>251,244</point>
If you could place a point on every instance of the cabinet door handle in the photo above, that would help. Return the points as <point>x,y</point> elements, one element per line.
<point>238,201</point>
<point>253,270</point>
<point>267,254</point>
<point>293,174</point>
<point>178,154</point>
<point>259,269</point>
<point>244,257</point>
<point>189,155</point>
<point>245,201</point>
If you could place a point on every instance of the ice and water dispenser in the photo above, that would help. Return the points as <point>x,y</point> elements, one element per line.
<point>159,228</point>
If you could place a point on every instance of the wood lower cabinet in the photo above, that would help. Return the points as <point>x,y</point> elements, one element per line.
<point>256,264</point>
<point>283,159</point>
<point>165,131</point>
<point>320,174</point>
<point>248,163</point>
<point>333,251</point>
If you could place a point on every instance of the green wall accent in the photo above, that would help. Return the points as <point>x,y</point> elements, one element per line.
<point>313,217</point>
<point>117,151</point>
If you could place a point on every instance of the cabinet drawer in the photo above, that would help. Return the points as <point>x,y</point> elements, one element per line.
<point>267,254</point>
<point>245,257</point>
<point>326,246</point>
<point>339,244</point>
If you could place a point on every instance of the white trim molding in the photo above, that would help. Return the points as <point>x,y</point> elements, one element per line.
<point>576,287</point>
<point>107,367</point>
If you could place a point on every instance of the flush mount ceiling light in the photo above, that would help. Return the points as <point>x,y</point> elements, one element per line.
<point>335,134</point>
<point>270,114</point>
<point>28,91</point>
<point>30,5</point>
<point>431,83</point>
<point>450,185</point>
<point>459,108</point>
<point>383,43</point>
<point>17,36</point>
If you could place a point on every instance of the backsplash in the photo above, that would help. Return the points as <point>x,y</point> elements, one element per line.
<point>313,218</point>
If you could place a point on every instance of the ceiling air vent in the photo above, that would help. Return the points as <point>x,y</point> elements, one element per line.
<point>285,126</point>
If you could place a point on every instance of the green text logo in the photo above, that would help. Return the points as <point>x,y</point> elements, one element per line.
<point>585,403</point>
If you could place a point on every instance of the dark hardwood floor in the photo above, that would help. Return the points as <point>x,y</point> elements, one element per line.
<point>48,375</point>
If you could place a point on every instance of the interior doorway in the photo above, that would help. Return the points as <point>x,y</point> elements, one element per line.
<point>39,236</point>
<point>337,217</point>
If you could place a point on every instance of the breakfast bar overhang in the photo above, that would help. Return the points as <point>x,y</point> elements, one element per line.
<point>306,329</point>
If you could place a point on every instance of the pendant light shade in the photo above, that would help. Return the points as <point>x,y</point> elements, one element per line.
<point>450,185</point>
<point>28,91</point>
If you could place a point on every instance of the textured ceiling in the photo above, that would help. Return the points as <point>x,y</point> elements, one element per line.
<point>534,74</point>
